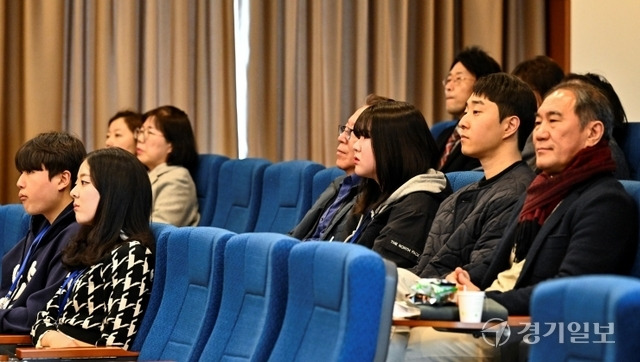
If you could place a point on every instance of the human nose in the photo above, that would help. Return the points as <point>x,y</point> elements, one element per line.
<point>20,182</point>
<point>540,131</point>
<point>74,192</point>
<point>464,122</point>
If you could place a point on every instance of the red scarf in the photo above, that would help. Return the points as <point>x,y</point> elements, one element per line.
<point>546,192</point>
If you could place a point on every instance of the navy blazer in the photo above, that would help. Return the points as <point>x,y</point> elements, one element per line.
<point>592,231</point>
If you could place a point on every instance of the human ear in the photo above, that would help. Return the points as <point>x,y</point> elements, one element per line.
<point>64,180</point>
<point>511,125</point>
<point>595,131</point>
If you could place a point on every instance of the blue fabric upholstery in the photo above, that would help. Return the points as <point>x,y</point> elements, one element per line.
<point>459,179</point>
<point>334,303</point>
<point>207,185</point>
<point>286,195</point>
<point>254,297</point>
<point>592,302</point>
<point>633,188</point>
<point>322,179</point>
<point>14,225</point>
<point>161,234</point>
<point>239,194</point>
<point>191,297</point>
<point>631,149</point>
<point>437,128</point>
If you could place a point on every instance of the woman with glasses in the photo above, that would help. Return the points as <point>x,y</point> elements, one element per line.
<point>167,146</point>
<point>121,131</point>
<point>110,260</point>
<point>401,191</point>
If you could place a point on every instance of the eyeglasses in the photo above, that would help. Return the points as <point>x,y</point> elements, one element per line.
<point>456,80</point>
<point>346,130</point>
<point>141,134</point>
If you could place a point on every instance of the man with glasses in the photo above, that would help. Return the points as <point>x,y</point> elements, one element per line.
<point>330,218</point>
<point>469,65</point>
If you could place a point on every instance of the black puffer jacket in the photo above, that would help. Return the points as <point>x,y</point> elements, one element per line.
<point>470,223</point>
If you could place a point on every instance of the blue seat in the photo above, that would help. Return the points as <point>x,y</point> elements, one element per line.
<point>14,225</point>
<point>239,194</point>
<point>437,128</point>
<point>322,179</point>
<point>161,234</point>
<point>633,189</point>
<point>335,304</point>
<point>207,185</point>
<point>595,319</point>
<point>459,179</point>
<point>286,195</point>
<point>254,296</point>
<point>605,304</point>
<point>631,149</point>
<point>191,297</point>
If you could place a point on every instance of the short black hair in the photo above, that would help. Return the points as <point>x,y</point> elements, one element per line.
<point>513,97</point>
<point>55,152</point>
<point>477,62</point>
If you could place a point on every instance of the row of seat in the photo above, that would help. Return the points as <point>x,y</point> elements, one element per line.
<point>218,296</point>
<point>253,194</point>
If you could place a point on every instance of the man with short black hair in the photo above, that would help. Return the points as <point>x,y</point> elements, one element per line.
<point>31,270</point>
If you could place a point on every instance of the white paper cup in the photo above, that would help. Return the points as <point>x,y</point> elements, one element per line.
<point>470,305</point>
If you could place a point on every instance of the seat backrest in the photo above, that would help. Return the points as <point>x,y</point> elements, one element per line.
<point>14,225</point>
<point>239,194</point>
<point>322,179</point>
<point>191,296</point>
<point>334,305</point>
<point>161,234</point>
<point>631,149</point>
<point>633,188</point>
<point>459,179</point>
<point>286,195</point>
<point>254,296</point>
<point>207,185</point>
<point>437,128</point>
<point>585,318</point>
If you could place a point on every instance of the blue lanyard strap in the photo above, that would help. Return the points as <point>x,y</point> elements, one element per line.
<point>25,261</point>
<point>67,286</point>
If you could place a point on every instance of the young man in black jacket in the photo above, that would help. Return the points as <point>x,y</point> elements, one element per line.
<point>31,270</point>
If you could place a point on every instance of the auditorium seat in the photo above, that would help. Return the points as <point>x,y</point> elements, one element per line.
<point>286,195</point>
<point>254,297</point>
<point>239,194</point>
<point>207,185</point>
<point>335,304</point>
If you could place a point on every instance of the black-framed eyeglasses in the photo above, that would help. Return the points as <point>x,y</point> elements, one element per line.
<point>346,130</point>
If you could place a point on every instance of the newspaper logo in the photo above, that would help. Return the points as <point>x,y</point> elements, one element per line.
<point>496,332</point>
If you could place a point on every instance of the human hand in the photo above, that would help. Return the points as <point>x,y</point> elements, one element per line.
<point>56,339</point>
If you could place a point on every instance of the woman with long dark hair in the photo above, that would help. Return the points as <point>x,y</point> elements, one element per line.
<point>401,191</point>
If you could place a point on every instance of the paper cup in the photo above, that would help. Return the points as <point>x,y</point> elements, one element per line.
<point>470,305</point>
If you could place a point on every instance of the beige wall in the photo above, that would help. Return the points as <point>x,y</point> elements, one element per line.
<point>604,40</point>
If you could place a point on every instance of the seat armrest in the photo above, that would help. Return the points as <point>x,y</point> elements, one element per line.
<point>18,339</point>
<point>74,352</point>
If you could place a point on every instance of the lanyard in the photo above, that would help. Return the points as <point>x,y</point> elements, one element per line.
<point>67,285</point>
<point>25,261</point>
